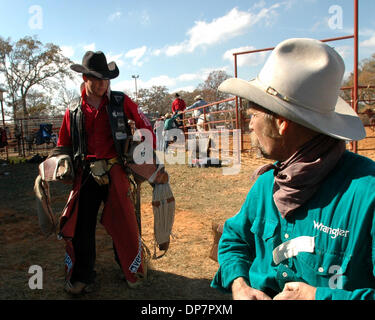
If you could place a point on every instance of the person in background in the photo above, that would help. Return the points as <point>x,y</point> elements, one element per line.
<point>159,132</point>
<point>178,105</point>
<point>169,123</point>
<point>199,113</point>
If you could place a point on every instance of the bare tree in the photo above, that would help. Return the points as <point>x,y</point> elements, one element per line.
<point>65,98</point>
<point>209,87</point>
<point>154,100</point>
<point>38,104</point>
<point>29,64</point>
<point>366,77</point>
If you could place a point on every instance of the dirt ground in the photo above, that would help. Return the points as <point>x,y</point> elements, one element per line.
<point>203,195</point>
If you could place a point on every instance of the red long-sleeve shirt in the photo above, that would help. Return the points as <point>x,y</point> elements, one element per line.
<point>100,144</point>
<point>178,105</point>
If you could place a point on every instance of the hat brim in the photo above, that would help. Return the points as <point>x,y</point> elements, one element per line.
<point>109,74</point>
<point>343,123</point>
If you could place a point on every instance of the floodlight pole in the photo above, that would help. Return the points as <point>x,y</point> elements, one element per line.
<point>135,77</point>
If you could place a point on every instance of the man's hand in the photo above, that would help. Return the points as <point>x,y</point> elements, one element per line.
<point>241,291</point>
<point>296,291</point>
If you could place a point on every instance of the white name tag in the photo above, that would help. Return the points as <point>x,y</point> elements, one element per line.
<point>292,247</point>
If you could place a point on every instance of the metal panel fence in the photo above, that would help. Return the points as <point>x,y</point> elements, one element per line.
<point>25,137</point>
<point>28,137</point>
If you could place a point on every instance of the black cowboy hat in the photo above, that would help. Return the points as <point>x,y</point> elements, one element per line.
<point>95,64</point>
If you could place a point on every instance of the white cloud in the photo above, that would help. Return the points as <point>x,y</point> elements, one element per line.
<point>369,43</point>
<point>231,25</point>
<point>251,59</point>
<point>89,47</point>
<point>268,14</point>
<point>129,85</point>
<point>206,71</point>
<point>125,85</point>
<point>364,32</point>
<point>177,49</point>
<point>136,55</point>
<point>116,58</point>
<point>67,51</point>
<point>189,77</point>
<point>200,76</point>
<point>114,16</point>
<point>220,29</point>
<point>162,80</point>
<point>186,82</point>
<point>186,89</point>
<point>156,52</point>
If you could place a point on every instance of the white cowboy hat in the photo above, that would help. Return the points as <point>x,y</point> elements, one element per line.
<point>198,97</point>
<point>301,81</point>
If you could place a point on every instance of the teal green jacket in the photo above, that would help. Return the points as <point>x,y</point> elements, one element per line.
<point>168,124</point>
<point>333,235</point>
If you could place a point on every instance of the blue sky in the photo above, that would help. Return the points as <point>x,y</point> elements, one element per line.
<point>177,43</point>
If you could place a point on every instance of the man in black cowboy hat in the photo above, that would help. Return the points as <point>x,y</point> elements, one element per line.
<point>93,134</point>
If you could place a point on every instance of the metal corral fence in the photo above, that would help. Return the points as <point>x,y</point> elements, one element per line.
<point>28,137</point>
<point>232,114</point>
<point>216,117</point>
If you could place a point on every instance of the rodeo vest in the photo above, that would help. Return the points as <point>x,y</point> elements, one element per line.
<point>120,128</point>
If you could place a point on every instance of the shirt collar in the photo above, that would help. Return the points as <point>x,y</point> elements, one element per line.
<point>103,102</point>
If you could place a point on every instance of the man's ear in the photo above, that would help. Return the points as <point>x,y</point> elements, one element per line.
<point>282,125</point>
<point>84,78</point>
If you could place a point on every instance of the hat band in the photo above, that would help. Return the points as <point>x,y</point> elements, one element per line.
<point>273,92</point>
